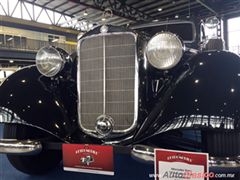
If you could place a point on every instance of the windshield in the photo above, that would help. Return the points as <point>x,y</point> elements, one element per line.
<point>185,30</point>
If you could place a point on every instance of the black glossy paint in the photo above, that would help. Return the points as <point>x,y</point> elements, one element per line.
<point>35,99</point>
<point>201,93</point>
<point>207,98</point>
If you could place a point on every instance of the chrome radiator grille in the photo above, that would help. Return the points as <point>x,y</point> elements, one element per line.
<point>108,75</point>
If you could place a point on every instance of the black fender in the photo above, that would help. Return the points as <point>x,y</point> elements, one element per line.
<point>207,97</point>
<point>26,98</point>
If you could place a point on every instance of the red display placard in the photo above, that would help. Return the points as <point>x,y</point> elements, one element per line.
<point>86,158</point>
<point>180,165</point>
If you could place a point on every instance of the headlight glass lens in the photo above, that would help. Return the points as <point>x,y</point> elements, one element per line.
<point>164,50</point>
<point>49,61</point>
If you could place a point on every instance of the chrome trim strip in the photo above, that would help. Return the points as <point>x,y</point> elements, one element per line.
<point>115,133</point>
<point>225,162</point>
<point>20,147</point>
<point>104,76</point>
<point>145,154</point>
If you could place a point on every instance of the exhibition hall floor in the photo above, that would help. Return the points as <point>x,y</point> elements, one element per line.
<point>125,169</point>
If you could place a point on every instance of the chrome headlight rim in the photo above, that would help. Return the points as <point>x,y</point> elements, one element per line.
<point>179,41</point>
<point>60,53</point>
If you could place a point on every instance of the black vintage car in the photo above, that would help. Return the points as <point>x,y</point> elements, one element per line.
<point>141,87</point>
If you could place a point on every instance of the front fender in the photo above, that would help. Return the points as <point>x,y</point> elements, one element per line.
<point>207,98</point>
<point>25,99</point>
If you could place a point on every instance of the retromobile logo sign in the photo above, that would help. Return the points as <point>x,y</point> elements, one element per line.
<point>88,158</point>
<point>180,165</point>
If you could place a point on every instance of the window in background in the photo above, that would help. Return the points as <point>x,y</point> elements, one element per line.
<point>234,35</point>
<point>1,39</point>
<point>17,43</point>
<point>9,40</point>
<point>2,75</point>
<point>5,73</point>
<point>52,38</point>
<point>8,73</point>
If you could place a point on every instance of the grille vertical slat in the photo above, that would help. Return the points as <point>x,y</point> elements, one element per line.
<point>120,68</point>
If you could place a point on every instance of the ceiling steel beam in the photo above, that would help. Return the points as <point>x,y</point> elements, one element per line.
<point>118,8</point>
<point>134,2</point>
<point>78,11</point>
<point>71,7</point>
<point>204,4</point>
<point>52,9</point>
<point>173,9</point>
<point>63,3</point>
<point>94,17</point>
<point>122,22</point>
<point>231,9</point>
<point>168,6</point>
<point>47,3</point>
<point>127,11</point>
<point>117,21</point>
<point>145,3</point>
<point>181,10</point>
<point>154,6</point>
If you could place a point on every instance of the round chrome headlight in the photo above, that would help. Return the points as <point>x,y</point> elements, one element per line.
<point>49,61</point>
<point>164,50</point>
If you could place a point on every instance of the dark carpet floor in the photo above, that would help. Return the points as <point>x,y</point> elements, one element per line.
<point>125,169</point>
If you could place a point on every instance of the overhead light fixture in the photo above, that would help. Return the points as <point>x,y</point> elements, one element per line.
<point>232,90</point>
<point>55,40</point>
<point>9,39</point>
<point>103,19</point>
<point>176,16</point>
<point>90,25</point>
<point>11,61</point>
<point>159,9</point>
<point>85,13</point>
<point>196,81</point>
<point>155,20</point>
